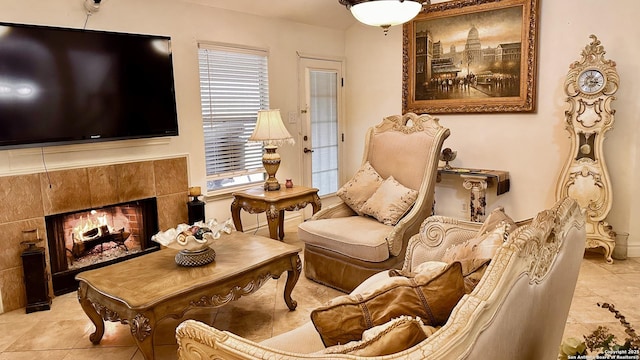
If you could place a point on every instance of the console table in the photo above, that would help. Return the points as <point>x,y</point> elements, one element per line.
<point>477,181</point>
<point>274,203</point>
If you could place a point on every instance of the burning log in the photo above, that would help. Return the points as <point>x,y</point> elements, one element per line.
<point>82,246</point>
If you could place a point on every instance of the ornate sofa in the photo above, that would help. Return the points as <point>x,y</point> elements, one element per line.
<point>349,241</point>
<point>518,310</point>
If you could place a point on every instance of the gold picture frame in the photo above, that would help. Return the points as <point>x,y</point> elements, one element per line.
<point>471,56</point>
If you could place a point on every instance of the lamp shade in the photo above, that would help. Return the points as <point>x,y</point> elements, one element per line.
<point>270,129</point>
<point>385,13</point>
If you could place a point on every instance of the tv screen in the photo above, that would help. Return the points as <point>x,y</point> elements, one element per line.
<point>61,86</point>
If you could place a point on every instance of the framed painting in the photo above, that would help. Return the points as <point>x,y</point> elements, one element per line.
<point>471,56</point>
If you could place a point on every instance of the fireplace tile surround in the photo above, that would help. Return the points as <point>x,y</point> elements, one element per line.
<point>26,199</point>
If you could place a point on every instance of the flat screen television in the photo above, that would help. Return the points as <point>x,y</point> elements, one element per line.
<point>63,86</point>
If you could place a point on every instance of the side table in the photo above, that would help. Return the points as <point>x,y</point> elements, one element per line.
<point>274,203</point>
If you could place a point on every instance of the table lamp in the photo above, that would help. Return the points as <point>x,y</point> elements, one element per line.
<point>271,132</point>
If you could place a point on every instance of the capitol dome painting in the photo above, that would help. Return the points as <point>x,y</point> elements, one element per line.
<point>471,56</point>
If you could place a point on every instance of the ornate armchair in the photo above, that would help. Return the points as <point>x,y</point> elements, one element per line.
<point>518,310</point>
<point>343,245</point>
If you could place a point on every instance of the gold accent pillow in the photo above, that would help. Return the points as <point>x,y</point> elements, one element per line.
<point>427,267</point>
<point>480,247</point>
<point>472,271</point>
<point>389,338</point>
<point>345,318</point>
<point>360,188</point>
<point>390,202</point>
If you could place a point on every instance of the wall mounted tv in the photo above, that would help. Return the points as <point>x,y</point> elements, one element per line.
<point>63,86</point>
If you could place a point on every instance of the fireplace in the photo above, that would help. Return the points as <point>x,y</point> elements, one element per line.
<point>93,238</point>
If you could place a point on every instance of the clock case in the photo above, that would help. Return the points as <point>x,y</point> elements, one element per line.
<point>584,176</point>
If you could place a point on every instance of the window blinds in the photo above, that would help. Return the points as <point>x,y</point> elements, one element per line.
<point>233,87</point>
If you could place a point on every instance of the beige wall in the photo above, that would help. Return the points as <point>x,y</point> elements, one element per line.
<point>186,24</point>
<point>532,147</point>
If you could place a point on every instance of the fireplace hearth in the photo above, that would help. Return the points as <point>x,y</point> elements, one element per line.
<point>93,238</point>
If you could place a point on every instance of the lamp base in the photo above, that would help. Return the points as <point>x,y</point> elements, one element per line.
<point>271,185</point>
<point>271,163</point>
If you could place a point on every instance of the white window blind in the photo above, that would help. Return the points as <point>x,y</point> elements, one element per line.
<point>233,87</point>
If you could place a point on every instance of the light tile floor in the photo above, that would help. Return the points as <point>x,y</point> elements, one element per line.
<point>62,333</point>
<point>617,284</point>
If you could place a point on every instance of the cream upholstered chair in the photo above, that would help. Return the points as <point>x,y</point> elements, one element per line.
<point>518,310</point>
<point>343,245</point>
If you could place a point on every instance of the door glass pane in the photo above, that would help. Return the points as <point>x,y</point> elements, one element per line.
<point>324,130</point>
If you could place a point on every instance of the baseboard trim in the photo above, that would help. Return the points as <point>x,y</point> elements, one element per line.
<point>633,251</point>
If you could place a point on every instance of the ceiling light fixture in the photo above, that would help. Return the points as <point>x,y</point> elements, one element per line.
<point>383,13</point>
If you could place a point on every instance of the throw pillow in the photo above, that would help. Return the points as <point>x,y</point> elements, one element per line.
<point>496,218</point>
<point>389,338</point>
<point>346,317</point>
<point>430,266</point>
<point>472,272</point>
<point>390,202</point>
<point>360,188</point>
<point>426,267</point>
<point>480,247</point>
<point>372,282</point>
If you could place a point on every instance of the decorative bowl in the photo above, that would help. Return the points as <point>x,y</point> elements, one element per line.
<point>193,241</point>
<point>446,156</point>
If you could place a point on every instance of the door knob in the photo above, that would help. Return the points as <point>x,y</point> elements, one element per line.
<point>306,150</point>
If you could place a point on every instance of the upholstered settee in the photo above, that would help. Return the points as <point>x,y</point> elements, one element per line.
<point>517,310</point>
<point>381,207</point>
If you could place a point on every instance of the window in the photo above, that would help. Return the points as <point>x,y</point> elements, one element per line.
<point>233,87</point>
<point>323,97</point>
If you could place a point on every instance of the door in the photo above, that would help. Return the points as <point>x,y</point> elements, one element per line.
<point>320,113</point>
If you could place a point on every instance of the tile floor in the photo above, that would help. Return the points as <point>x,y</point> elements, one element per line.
<point>62,333</point>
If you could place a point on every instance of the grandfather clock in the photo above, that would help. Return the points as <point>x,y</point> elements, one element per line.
<point>590,86</point>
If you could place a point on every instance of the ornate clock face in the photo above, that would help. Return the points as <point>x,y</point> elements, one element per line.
<point>591,81</point>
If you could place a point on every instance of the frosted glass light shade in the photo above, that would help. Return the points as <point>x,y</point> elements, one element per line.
<point>385,13</point>
<point>270,129</point>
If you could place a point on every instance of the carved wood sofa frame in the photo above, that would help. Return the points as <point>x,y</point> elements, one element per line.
<point>517,311</point>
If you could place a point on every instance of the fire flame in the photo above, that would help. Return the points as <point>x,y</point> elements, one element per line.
<point>84,226</point>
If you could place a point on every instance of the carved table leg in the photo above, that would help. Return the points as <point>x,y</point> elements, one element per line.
<point>292,279</point>
<point>316,204</point>
<point>91,312</point>
<point>235,214</point>
<point>281,225</point>
<point>478,198</point>
<point>272,221</point>
<point>142,329</point>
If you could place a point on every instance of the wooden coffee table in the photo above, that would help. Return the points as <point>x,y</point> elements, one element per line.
<point>144,290</point>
